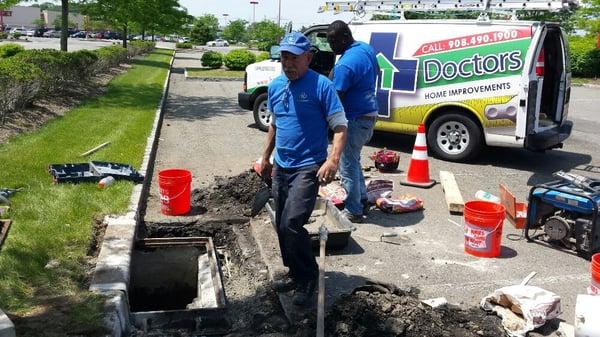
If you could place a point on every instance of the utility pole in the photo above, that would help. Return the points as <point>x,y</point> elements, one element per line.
<point>254,3</point>
<point>279,15</point>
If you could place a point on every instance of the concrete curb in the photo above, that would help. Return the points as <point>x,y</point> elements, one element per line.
<point>7,328</point>
<point>111,277</point>
<point>587,85</point>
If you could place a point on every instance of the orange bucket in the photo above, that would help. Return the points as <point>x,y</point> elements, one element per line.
<point>483,228</point>
<point>174,186</point>
<point>595,271</point>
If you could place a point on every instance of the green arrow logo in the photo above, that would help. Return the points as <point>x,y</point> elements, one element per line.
<point>387,70</point>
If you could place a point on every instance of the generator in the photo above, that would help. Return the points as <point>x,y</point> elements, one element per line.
<point>564,213</point>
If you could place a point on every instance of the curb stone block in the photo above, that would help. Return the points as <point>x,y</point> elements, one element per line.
<point>7,328</point>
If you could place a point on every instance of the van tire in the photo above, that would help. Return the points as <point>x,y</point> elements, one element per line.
<point>262,115</point>
<point>454,137</point>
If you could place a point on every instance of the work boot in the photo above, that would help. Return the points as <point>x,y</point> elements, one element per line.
<point>366,207</point>
<point>304,292</point>
<point>284,284</point>
<point>355,218</point>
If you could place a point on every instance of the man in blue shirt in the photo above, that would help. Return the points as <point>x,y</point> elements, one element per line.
<point>304,105</point>
<point>355,79</point>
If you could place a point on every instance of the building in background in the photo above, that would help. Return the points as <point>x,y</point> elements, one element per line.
<point>25,16</point>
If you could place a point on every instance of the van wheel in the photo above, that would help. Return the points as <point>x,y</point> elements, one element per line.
<point>454,137</point>
<point>262,115</point>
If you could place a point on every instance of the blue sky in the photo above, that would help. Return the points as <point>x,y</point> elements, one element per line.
<point>301,13</point>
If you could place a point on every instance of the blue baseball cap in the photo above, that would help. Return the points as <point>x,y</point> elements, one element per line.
<point>295,43</point>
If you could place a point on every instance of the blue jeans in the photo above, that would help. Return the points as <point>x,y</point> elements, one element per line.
<point>295,193</point>
<point>360,131</point>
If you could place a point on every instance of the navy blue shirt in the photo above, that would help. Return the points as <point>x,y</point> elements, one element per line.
<point>300,109</point>
<point>355,73</point>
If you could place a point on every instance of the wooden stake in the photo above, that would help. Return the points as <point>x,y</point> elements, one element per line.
<point>94,149</point>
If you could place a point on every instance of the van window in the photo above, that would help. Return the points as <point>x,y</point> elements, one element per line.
<point>319,40</point>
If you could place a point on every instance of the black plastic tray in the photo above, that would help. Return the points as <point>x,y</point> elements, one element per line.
<point>339,228</point>
<point>93,172</point>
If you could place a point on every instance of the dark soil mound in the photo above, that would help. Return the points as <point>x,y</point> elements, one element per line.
<point>383,310</point>
<point>228,195</point>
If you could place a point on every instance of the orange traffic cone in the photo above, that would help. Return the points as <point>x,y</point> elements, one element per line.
<point>418,168</point>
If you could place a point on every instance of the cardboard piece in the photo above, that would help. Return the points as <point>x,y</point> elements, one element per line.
<point>516,212</point>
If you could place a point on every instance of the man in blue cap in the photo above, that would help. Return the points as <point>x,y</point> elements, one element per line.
<point>304,104</point>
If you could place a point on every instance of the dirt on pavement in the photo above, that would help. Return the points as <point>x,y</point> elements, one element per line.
<point>254,310</point>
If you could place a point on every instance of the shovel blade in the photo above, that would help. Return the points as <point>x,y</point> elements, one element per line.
<point>260,200</point>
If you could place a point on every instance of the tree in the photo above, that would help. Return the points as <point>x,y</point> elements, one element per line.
<point>267,33</point>
<point>235,31</point>
<point>57,23</point>
<point>205,29</point>
<point>39,23</point>
<point>588,16</point>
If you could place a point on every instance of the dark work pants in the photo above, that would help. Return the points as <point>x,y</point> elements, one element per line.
<point>295,192</point>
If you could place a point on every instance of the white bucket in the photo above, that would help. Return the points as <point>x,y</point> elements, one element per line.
<point>587,316</point>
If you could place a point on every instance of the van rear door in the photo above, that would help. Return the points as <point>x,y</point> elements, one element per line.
<point>548,91</point>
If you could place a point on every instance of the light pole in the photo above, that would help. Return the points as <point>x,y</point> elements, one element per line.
<point>279,15</point>
<point>254,3</point>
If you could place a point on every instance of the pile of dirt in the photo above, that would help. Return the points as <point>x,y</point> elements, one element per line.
<point>384,310</point>
<point>228,195</point>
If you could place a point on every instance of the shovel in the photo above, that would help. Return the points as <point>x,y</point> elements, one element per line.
<point>261,198</point>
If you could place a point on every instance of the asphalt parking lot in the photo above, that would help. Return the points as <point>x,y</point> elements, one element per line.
<point>73,44</point>
<point>206,132</point>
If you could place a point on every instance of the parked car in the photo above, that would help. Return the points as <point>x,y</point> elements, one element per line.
<point>30,33</point>
<point>21,31</point>
<point>80,34</point>
<point>218,43</point>
<point>112,35</point>
<point>183,39</point>
<point>52,33</point>
<point>40,32</point>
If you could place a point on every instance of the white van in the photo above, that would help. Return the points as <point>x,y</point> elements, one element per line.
<point>472,82</point>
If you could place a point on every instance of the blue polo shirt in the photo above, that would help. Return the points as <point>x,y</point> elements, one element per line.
<point>355,73</point>
<point>300,109</point>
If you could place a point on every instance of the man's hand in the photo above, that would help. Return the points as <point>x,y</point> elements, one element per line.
<point>265,169</point>
<point>327,171</point>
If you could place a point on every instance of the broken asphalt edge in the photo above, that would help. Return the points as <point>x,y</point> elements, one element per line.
<point>111,276</point>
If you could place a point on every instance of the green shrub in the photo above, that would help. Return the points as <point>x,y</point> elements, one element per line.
<point>20,83</point>
<point>3,36</point>
<point>54,65</point>
<point>10,49</point>
<point>238,59</point>
<point>109,57</point>
<point>184,45</point>
<point>262,56</point>
<point>212,59</point>
<point>81,63</point>
<point>585,56</point>
<point>140,47</point>
<point>17,35</point>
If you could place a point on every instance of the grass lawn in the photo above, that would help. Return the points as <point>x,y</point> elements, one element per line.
<point>44,267</point>
<point>581,80</point>
<point>205,72</point>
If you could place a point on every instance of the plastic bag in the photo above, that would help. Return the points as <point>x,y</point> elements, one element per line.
<point>379,188</point>
<point>522,307</point>
<point>404,203</point>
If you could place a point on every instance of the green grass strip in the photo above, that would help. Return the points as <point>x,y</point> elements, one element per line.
<point>204,72</point>
<point>54,222</point>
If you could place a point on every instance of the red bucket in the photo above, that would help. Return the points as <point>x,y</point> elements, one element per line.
<point>595,271</point>
<point>174,186</point>
<point>483,228</point>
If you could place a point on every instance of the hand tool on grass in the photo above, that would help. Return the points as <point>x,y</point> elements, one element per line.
<point>321,297</point>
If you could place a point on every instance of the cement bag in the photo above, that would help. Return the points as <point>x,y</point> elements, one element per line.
<point>522,307</point>
<point>378,188</point>
<point>402,204</point>
<point>333,192</point>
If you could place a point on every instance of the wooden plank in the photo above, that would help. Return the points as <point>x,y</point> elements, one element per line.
<point>454,199</point>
